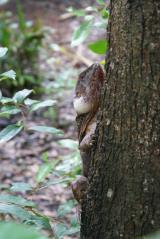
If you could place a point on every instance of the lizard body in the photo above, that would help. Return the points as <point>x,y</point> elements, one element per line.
<point>86,103</point>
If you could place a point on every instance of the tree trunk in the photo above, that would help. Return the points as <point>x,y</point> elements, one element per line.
<point>123,199</point>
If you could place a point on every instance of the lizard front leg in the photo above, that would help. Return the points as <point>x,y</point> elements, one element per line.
<point>88,139</point>
<point>79,188</point>
<point>80,185</point>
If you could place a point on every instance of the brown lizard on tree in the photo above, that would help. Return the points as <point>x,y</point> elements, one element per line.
<point>86,103</point>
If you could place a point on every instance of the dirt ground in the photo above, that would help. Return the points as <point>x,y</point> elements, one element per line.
<point>21,156</point>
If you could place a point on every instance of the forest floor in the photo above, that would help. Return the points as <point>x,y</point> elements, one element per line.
<point>60,65</point>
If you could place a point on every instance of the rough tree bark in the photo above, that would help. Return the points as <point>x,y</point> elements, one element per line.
<point>123,199</point>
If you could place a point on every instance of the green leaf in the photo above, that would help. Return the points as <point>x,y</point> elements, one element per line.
<point>18,200</point>
<point>14,210</point>
<point>9,110</point>
<point>8,74</point>
<point>45,129</point>
<point>43,104</point>
<point>68,143</point>
<point>3,51</point>
<point>80,34</point>
<point>155,235</point>
<point>105,13</point>
<point>11,230</point>
<point>76,12</point>
<point>70,165</point>
<point>99,47</point>
<point>4,187</point>
<point>88,17</point>
<point>3,2</point>
<point>58,181</point>
<point>101,2</point>
<point>21,18</point>
<point>6,100</point>
<point>45,157</point>
<point>100,24</point>
<point>25,215</point>
<point>60,230</point>
<point>65,208</point>
<point>21,187</point>
<point>73,230</point>
<point>30,102</point>
<point>9,132</point>
<point>21,95</point>
<point>43,172</point>
<point>74,220</point>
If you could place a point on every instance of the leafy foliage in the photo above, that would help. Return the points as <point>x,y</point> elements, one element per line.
<point>62,170</point>
<point>88,24</point>
<point>25,210</point>
<point>22,209</point>
<point>81,33</point>
<point>22,105</point>
<point>98,47</point>
<point>17,200</point>
<point>23,39</point>
<point>65,208</point>
<point>17,207</point>
<point>155,235</point>
<point>3,51</point>
<point>8,74</point>
<point>9,132</point>
<point>21,187</point>
<point>61,230</point>
<point>11,230</point>
<point>18,105</point>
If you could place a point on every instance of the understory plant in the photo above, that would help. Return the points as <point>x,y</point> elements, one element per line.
<point>24,219</point>
<point>93,18</point>
<point>23,39</point>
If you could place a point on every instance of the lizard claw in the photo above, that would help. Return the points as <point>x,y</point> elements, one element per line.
<point>93,140</point>
<point>79,188</point>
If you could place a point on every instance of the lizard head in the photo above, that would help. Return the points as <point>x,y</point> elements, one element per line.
<point>92,76</point>
<point>88,87</point>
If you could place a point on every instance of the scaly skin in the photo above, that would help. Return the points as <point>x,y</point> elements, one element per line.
<point>86,103</point>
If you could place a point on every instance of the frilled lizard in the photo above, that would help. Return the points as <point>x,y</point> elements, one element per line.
<point>86,103</point>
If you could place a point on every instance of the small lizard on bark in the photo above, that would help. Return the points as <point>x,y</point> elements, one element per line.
<point>86,103</point>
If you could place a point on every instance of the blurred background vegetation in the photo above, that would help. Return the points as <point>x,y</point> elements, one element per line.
<point>44,45</point>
